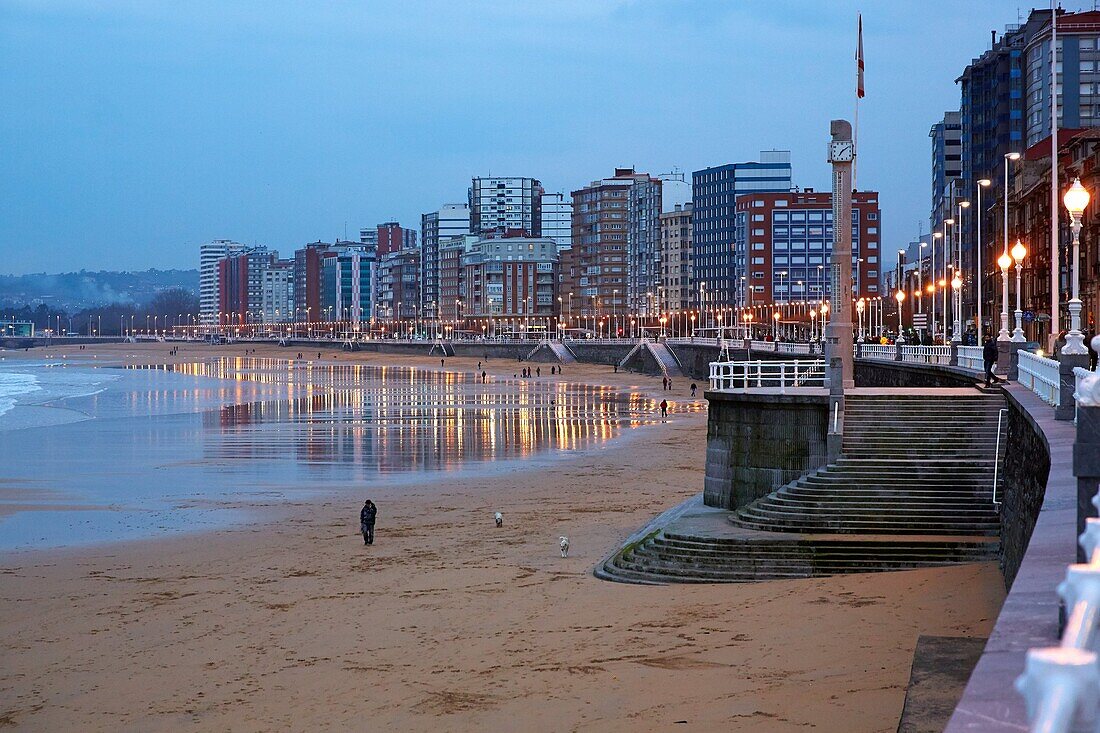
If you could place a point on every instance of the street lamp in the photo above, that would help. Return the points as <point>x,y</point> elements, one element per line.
<point>861,304</point>
<point>1018,254</point>
<point>900,296</point>
<point>943,280</point>
<point>813,325</point>
<point>956,285</point>
<point>1004,262</point>
<point>980,273</point>
<point>775,325</point>
<point>1075,199</point>
<point>932,287</point>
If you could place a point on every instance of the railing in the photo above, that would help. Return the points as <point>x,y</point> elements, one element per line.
<point>1079,373</point>
<point>926,354</point>
<point>699,340</point>
<point>1040,375</point>
<point>972,358</point>
<point>763,345</point>
<point>792,347</point>
<point>878,351</point>
<point>728,375</point>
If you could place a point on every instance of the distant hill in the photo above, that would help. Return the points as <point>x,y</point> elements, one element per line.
<point>76,290</point>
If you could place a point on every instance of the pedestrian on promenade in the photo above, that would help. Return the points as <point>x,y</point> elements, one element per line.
<point>664,383</point>
<point>441,363</point>
<point>367,516</point>
<point>664,408</point>
<point>483,375</point>
<point>479,366</point>
<point>989,356</point>
<point>538,371</point>
<point>693,388</point>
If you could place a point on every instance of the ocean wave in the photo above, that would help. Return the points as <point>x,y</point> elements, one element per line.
<point>13,385</point>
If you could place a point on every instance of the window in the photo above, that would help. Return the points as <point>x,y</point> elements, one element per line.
<point>758,247</point>
<point>872,245</point>
<point>758,276</point>
<point>872,216</point>
<point>872,260</point>
<point>757,204</point>
<point>872,230</point>
<point>757,260</point>
<point>758,232</point>
<point>758,217</point>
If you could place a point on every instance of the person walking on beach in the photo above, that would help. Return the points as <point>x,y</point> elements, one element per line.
<point>664,383</point>
<point>367,515</point>
<point>664,408</point>
<point>989,356</point>
<point>538,371</point>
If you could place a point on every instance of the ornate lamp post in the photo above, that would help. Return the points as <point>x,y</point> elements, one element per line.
<point>1075,199</point>
<point>900,298</point>
<point>813,325</point>
<point>861,304</point>
<point>775,326</point>
<point>1004,262</point>
<point>1019,252</point>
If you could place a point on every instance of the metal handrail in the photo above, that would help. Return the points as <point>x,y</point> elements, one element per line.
<point>758,374</point>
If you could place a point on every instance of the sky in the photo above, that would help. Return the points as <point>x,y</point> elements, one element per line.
<point>131,131</point>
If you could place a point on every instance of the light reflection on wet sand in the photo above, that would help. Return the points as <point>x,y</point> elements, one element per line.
<point>164,455</point>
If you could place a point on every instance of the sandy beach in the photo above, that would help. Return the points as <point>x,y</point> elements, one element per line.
<point>447,623</point>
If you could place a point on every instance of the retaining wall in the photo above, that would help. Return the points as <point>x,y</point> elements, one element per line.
<point>759,442</point>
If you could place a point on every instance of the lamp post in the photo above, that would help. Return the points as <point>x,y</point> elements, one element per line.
<point>932,285</point>
<point>943,280</point>
<point>920,278</point>
<point>775,325</point>
<point>861,304</point>
<point>979,273</point>
<point>1018,254</point>
<point>900,297</point>
<point>1004,262</point>
<point>813,325</point>
<point>956,285</point>
<point>1075,199</point>
<point>1003,334</point>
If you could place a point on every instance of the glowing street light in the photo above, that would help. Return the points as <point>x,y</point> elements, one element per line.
<point>1019,252</point>
<point>900,297</point>
<point>861,305</point>
<point>1075,199</point>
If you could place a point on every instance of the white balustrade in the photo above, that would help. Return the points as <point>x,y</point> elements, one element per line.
<point>793,347</point>
<point>1040,375</point>
<point>763,345</point>
<point>972,358</point>
<point>877,351</point>
<point>731,375</point>
<point>926,354</point>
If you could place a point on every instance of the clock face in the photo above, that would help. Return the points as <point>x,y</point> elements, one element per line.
<point>841,151</point>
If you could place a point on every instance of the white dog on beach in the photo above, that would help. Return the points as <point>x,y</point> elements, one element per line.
<point>563,543</point>
<point>499,518</point>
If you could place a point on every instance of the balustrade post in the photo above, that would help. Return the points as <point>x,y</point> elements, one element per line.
<point>1013,371</point>
<point>859,350</point>
<point>954,360</point>
<point>1067,383</point>
<point>897,351</point>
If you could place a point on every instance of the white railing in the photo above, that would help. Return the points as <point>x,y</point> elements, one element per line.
<point>1040,375</point>
<point>926,354</point>
<point>793,347</point>
<point>763,345</point>
<point>877,351</point>
<point>972,358</point>
<point>699,340</point>
<point>729,375</point>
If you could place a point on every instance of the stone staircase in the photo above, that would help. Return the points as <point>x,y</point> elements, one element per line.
<point>912,488</point>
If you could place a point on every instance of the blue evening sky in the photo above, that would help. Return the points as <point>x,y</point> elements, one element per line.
<point>133,130</point>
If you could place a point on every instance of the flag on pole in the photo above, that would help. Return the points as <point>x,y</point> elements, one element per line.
<point>859,61</point>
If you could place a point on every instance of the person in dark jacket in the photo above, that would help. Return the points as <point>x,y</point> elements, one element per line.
<point>367,516</point>
<point>989,356</point>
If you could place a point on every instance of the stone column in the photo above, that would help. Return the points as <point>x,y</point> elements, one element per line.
<point>1014,348</point>
<point>954,354</point>
<point>897,351</point>
<point>859,349</point>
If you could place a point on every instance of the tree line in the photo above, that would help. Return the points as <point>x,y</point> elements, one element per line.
<point>171,306</point>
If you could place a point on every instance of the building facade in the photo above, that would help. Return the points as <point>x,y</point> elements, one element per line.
<point>277,299</point>
<point>210,254</point>
<point>393,237</point>
<point>241,286</point>
<point>783,244</point>
<point>451,220</point>
<point>946,138</point>
<point>643,235</point>
<point>714,194</point>
<point>451,274</point>
<point>505,202</point>
<point>511,277</point>
<point>347,279</point>
<point>1078,72</point>
<point>557,218</point>
<point>601,221</point>
<point>399,285</point>
<point>677,286</point>
<point>307,281</point>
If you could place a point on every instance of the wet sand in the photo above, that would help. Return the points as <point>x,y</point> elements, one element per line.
<point>448,623</point>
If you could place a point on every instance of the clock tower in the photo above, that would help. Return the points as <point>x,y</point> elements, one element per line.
<point>838,334</point>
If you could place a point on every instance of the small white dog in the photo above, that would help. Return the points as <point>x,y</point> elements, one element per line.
<point>563,543</point>
<point>500,519</point>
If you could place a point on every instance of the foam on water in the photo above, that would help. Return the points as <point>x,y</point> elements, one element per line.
<point>13,385</point>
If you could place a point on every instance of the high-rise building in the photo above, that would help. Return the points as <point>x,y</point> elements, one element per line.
<point>643,235</point>
<point>601,221</point>
<point>393,237</point>
<point>714,193</point>
<point>451,220</point>
<point>505,202</point>
<point>511,276</point>
<point>241,286</point>
<point>347,274</point>
<point>1078,68</point>
<point>783,244</point>
<point>307,282</point>
<point>210,254</point>
<point>451,274</point>
<point>557,219</point>
<point>369,235</point>
<point>277,298</point>
<point>677,291</point>
<point>946,166</point>
<point>399,285</point>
